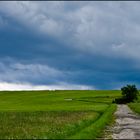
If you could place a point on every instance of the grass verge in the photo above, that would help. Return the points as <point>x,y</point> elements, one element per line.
<point>135,107</point>
<point>95,129</point>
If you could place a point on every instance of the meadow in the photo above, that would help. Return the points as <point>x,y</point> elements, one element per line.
<point>59,114</point>
<point>135,106</point>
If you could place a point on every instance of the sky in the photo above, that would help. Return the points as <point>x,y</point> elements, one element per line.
<point>69,44</point>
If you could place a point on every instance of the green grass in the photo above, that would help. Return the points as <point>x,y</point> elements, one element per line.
<point>48,114</point>
<point>135,106</point>
<point>55,100</point>
<point>43,124</point>
<point>95,129</point>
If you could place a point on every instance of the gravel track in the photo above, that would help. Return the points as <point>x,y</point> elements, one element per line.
<point>127,124</point>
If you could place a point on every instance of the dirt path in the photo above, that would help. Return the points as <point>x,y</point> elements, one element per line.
<point>127,124</point>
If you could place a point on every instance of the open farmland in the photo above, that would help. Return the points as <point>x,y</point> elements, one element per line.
<point>55,114</point>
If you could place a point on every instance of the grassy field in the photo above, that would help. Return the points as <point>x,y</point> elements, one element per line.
<point>136,105</point>
<point>55,114</point>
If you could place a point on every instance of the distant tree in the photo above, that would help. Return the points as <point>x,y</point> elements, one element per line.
<point>129,94</point>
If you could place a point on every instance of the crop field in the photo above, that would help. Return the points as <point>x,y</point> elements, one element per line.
<point>62,114</point>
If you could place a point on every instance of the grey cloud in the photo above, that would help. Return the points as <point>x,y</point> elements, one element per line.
<point>29,72</point>
<point>35,77</point>
<point>4,86</point>
<point>95,42</point>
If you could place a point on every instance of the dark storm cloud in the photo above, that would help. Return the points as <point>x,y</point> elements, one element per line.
<point>79,43</point>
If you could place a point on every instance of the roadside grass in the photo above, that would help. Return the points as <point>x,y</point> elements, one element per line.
<point>135,106</point>
<point>107,131</point>
<point>95,129</point>
<point>50,114</point>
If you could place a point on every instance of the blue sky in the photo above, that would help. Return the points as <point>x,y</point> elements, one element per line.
<point>69,45</point>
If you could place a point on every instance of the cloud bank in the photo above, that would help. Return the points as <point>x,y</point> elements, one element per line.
<point>29,87</point>
<point>94,44</point>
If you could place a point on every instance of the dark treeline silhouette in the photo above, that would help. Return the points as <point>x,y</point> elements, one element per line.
<point>129,94</point>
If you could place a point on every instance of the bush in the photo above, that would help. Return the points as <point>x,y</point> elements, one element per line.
<point>129,94</point>
<point>119,101</point>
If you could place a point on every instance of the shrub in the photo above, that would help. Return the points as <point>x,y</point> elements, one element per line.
<point>119,101</point>
<point>129,94</point>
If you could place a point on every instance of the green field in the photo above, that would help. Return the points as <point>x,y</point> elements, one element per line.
<point>55,114</point>
<point>136,105</point>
